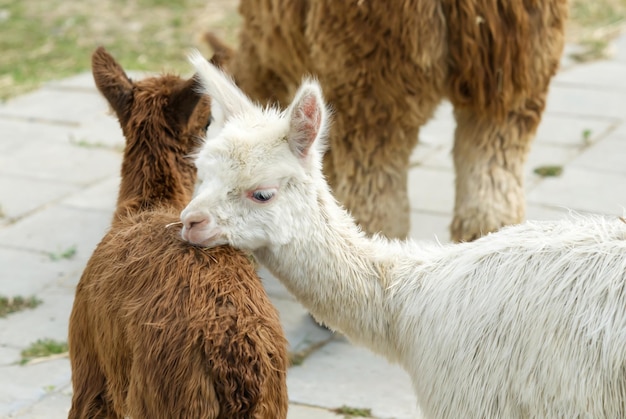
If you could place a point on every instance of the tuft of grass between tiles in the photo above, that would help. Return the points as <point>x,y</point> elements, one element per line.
<point>43,348</point>
<point>349,412</point>
<point>63,254</point>
<point>586,135</point>
<point>10,305</point>
<point>548,171</point>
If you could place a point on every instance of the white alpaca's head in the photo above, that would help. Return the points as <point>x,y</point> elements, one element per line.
<point>259,168</point>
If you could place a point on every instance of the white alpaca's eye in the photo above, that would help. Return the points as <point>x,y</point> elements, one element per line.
<point>262,195</point>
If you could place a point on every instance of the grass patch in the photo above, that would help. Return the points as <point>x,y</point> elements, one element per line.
<point>43,348</point>
<point>10,305</point>
<point>64,254</point>
<point>586,135</point>
<point>353,412</point>
<point>44,40</point>
<point>2,215</point>
<point>592,24</point>
<point>549,171</point>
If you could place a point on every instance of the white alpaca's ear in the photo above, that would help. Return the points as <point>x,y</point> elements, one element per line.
<point>307,118</point>
<point>220,87</point>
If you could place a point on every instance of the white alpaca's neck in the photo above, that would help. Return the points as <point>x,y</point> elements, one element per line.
<point>340,275</point>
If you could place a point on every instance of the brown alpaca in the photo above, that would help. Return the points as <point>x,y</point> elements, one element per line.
<point>161,329</point>
<point>385,67</point>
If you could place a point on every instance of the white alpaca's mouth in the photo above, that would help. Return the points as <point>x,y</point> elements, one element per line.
<point>203,237</point>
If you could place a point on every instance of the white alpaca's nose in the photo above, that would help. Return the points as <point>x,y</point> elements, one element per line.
<point>198,227</point>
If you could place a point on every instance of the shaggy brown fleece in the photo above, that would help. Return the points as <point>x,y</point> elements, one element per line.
<point>161,329</point>
<point>385,67</point>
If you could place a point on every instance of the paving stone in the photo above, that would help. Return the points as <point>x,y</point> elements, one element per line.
<point>608,155</point>
<point>20,195</point>
<point>587,102</point>
<point>430,226</point>
<point>17,133</point>
<point>24,385</point>
<point>546,155</point>
<point>57,229</point>
<point>85,80</point>
<point>341,374</point>
<point>570,130</point>
<point>69,106</point>
<point>308,412</point>
<point>431,190</point>
<point>61,162</point>
<point>582,190</point>
<point>620,129</point>
<point>99,196</point>
<point>603,74</point>
<point>27,273</point>
<point>544,212</point>
<point>54,405</point>
<point>47,321</point>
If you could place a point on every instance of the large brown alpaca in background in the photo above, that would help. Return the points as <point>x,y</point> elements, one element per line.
<point>161,329</point>
<point>385,66</point>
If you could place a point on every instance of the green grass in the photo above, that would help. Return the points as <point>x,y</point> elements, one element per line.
<point>10,305</point>
<point>43,348</point>
<point>549,171</point>
<point>43,40</point>
<point>353,412</point>
<point>592,24</point>
<point>63,254</point>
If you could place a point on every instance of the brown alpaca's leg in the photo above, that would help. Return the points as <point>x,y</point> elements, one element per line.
<point>89,383</point>
<point>382,71</point>
<point>489,161</point>
<point>271,56</point>
<point>498,81</point>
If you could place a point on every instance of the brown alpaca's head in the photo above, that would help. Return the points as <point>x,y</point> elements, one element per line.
<point>163,119</point>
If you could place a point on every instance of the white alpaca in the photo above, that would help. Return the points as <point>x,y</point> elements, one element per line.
<point>529,322</point>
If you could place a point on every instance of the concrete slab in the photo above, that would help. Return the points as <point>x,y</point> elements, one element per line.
<point>601,74</point>
<point>570,130</point>
<point>608,155</point>
<point>21,195</point>
<point>28,273</point>
<point>23,386</point>
<point>56,400</point>
<point>580,101</point>
<point>582,190</point>
<point>57,229</point>
<point>430,226</point>
<point>47,321</point>
<point>431,190</point>
<point>101,195</point>
<point>54,105</point>
<point>55,161</point>
<point>341,374</point>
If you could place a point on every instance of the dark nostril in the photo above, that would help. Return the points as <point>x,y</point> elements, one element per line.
<point>200,223</point>
<point>195,221</point>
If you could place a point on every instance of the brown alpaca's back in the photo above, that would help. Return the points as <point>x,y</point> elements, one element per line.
<point>161,329</point>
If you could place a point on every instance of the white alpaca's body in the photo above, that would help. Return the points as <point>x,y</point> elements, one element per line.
<point>526,322</point>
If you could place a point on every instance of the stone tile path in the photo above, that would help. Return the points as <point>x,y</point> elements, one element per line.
<point>59,165</point>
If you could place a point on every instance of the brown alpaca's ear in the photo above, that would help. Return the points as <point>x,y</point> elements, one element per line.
<point>184,101</point>
<point>222,53</point>
<point>112,82</point>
